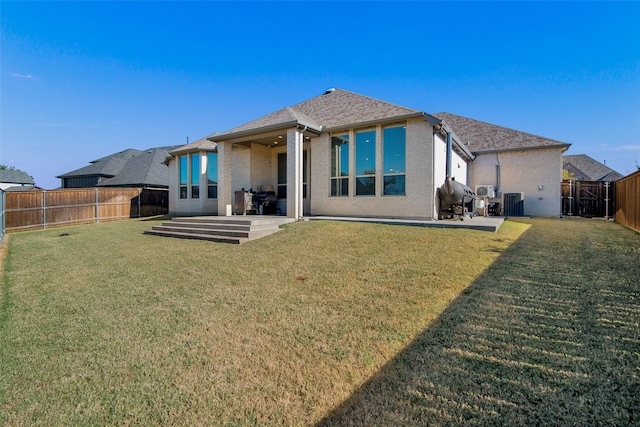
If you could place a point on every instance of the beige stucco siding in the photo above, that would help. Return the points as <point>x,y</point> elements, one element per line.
<point>537,173</point>
<point>416,203</point>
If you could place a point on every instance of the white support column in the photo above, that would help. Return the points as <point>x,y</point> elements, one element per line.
<point>294,173</point>
<point>224,176</point>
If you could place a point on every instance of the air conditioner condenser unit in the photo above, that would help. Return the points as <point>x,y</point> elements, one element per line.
<point>486,191</point>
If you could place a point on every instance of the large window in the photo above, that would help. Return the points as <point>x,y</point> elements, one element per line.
<point>184,176</point>
<point>282,175</point>
<point>212,175</point>
<point>340,165</point>
<point>366,163</point>
<point>189,173</point>
<point>195,176</point>
<point>394,160</point>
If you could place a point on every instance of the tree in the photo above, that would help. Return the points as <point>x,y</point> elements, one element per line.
<point>568,176</point>
<point>7,168</point>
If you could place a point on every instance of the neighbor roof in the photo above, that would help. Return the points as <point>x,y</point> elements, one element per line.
<point>130,167</point>
<point>589,169</point>
<point>15,177</point>
<point>485,137</point>
<point>335,109</point>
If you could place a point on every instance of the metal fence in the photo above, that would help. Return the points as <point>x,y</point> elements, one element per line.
<point>27,210</point>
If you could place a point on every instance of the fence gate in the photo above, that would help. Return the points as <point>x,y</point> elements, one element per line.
<point>588,198</point>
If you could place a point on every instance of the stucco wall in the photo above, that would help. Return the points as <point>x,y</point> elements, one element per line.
<point>523,172</point>
<point>418,201</point>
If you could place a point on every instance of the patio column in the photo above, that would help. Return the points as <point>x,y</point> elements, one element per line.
<point>224,177</point>
<point>294,173</point>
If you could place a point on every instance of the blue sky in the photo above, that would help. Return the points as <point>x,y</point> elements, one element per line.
<point>81,80</point>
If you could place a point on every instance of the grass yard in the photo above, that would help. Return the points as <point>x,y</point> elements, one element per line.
<point>324,323</point>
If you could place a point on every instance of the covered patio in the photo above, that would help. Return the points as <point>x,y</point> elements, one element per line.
<point>271,152</point>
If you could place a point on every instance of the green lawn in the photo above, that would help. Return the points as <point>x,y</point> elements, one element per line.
<point>324,322</point>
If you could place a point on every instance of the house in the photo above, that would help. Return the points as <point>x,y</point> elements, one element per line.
<point>525,167</point>
<point>13,179</point>
<point>345,154</point>
<point>128,168</point>
<point>585,168</point>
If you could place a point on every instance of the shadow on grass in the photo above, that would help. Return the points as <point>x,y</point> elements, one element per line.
<point>536,340</point>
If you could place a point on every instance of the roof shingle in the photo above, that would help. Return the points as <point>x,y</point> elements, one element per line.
<point>334,109</point>
<point>486,137</point>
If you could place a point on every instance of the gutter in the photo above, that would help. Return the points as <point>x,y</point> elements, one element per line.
<point>373,122</point>
<point>216,137</point>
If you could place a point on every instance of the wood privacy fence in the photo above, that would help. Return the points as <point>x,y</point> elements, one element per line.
<point>628,201</point>
<point>25,210</point>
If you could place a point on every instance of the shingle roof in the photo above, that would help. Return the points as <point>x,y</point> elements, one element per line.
<point>486,137</point>
<point>15,177</point>
<point>590,169</point>
<point>334,109</point>
<point>129,168</point>
<point>200,144</point>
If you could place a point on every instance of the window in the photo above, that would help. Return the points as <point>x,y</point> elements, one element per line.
<point>189,173</point>
<point>212,175</point>
<point>305,177</point>
<point>282,175</point>
<point>340,165</point>
<point>195,176</point>
<point>394,160</point>
<point>184,173</point>
<point>366,163</point>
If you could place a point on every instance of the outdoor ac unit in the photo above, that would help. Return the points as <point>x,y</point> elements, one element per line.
<point>486,191</point>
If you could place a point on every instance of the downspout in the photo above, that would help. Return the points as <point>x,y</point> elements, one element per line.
<point>300,171</point>
<point>449,154</point>
<point>497,187</point>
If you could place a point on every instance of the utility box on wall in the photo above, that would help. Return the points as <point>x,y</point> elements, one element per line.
<point>513,204</point>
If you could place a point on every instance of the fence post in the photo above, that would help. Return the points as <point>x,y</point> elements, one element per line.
<point>570,197</point>
<point>1,215</point>
<point>97,206</point>
<point>606,200</point>
<point>44,209</point>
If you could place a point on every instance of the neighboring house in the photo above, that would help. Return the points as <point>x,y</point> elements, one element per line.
<point>345,154</point>
<point>15,180</point>
<point>128,168</point>
<point>513,162</point>
<point>584,168</point>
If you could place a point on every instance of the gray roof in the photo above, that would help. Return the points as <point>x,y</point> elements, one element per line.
<point>486,137</point>
<point>587,168</point>
<point>202,144</point>
<point>15,177</point>
<point>335,109</point>
<point>129,168</point>
<point>22,188</point>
